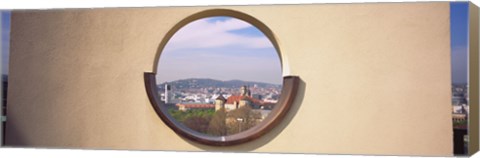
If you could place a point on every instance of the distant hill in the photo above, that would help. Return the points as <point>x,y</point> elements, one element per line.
<point>205,83</point>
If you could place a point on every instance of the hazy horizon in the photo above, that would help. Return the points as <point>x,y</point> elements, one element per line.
<point>217,80</point>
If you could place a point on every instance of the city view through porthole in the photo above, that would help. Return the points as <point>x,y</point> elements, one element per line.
<point>219,76</point>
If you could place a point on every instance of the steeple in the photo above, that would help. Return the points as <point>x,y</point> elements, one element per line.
<point>243,90</point>
<point>221,98</point>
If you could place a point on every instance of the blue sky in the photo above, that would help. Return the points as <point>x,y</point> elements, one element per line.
<point>5,40</point>
<point>225,48</point>
<point>459,41</point>
<point>222,48</point>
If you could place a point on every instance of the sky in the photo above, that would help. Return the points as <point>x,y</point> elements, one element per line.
<point>5,40</point>
<point>226,48</point>
<point>221,48</point>
<point>459,41</point>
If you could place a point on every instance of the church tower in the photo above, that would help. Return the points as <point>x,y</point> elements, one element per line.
<point>220,102</point>
<point>243,91</point>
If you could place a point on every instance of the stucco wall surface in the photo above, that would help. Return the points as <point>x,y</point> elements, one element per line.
<point>375,78</point>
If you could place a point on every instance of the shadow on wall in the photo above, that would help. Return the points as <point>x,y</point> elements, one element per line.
<point>13,137</point>
<point>269,136</point>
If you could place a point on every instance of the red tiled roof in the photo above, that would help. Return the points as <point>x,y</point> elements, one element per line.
<point>237,98</point>
<point>197,106</point>
<point>233,98</point>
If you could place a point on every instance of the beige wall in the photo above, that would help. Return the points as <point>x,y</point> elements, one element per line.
<point>473,75</point>
<point>375,79</point>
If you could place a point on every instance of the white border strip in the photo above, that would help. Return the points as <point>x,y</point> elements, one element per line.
<point>48,4</point>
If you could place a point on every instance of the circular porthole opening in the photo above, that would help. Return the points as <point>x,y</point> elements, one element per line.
<point>218,79</point>
<point>219,76</point>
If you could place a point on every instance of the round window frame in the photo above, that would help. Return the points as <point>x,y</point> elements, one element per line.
<point>287,96</point>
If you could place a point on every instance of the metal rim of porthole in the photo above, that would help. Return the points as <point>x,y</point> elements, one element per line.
<point>287,96</point>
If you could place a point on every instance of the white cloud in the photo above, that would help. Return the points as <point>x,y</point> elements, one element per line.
<point>205,34</point>
<point>224,55</point>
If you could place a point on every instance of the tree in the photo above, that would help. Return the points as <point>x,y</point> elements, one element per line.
<point>242,119</point>
<point>217,125</point>
<point>197,123</point>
